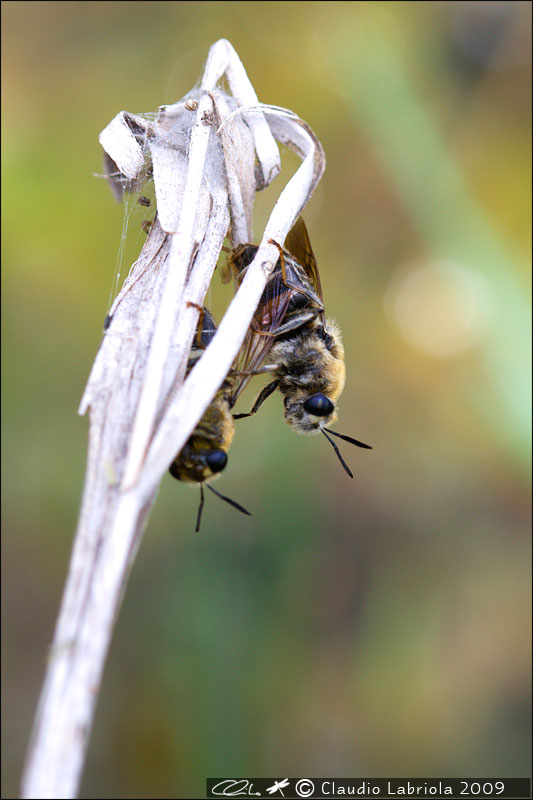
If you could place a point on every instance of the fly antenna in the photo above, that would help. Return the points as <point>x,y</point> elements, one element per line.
<point>200,509</point>
<point>338,452</point>
<point>228,500</point>
<point>348,439</point>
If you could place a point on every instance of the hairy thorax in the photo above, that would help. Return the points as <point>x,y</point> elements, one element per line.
<point>310,362</point>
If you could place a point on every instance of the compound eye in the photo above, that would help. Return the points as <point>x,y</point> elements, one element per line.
<point>319,405</point>
<point>216,460</point>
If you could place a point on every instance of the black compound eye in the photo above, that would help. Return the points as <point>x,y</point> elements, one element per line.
<point>319,405</point>
<point>216,460</point>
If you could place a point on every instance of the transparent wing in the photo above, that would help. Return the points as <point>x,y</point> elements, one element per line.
<point>299,245</point>
<point>261,335</point>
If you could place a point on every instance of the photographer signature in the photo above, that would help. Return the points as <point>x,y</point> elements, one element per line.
<point>235,788</point>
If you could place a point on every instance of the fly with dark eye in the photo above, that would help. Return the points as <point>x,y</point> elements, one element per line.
<point>205,454</point>
<point>303,349</point>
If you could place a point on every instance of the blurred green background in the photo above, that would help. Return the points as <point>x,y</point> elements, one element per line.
<point>376,627</point>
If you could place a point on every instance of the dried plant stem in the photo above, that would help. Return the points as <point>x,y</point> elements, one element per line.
<point>203,152</point>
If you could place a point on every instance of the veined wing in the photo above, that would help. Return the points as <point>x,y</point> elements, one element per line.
<point>299,245</point>
<point>261,335</point>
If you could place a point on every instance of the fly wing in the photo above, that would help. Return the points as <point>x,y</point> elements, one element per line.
<point>299,245</point>
<point>261,335</point>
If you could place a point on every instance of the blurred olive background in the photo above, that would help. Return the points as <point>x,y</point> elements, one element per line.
<point>375,627</point>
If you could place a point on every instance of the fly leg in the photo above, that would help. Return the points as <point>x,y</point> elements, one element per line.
<point>259,371</point>
<point>265,392</point>
<point>282,260</point>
